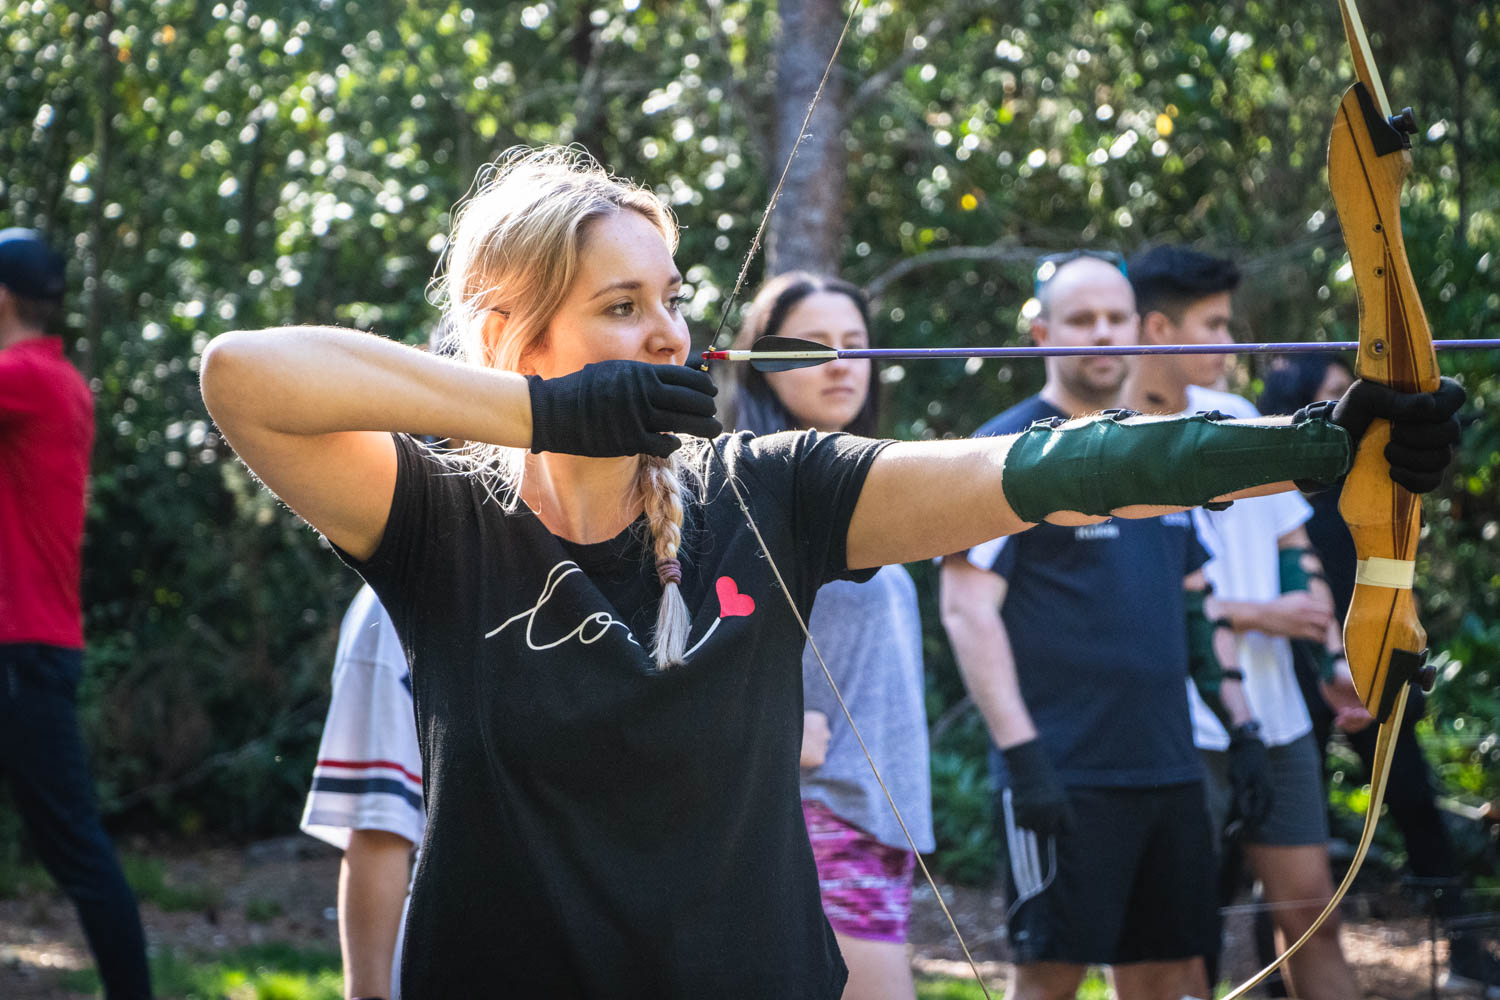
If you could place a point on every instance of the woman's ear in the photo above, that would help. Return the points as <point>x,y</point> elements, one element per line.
<point>490,331</point>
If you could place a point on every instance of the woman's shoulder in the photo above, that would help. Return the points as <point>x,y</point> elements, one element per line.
<point>457,471</point>
<point>746,446</point>
<point>777,456</point>
<point>737,452</point>
<point>749,444</point>
<point>453,490</point>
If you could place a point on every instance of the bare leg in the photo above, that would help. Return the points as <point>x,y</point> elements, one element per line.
<point>1160,980</point>
<point>878,970</point>
<point>1044,981</point>
<point>1290,874</point>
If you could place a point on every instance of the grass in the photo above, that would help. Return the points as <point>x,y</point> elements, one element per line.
<point>262,911</point>
<point>1094,987</point>
<point>285,972</point>
<point>19,879</point>
<point>259,972</point>
<point>148,877</point>
<point>947,988</point>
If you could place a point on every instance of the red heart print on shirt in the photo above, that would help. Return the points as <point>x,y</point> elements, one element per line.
<point>732,603</point>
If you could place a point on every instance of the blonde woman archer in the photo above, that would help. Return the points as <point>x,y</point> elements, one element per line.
<point>607,682</point>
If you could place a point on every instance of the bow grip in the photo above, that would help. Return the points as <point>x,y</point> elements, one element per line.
<point>1383,639</point>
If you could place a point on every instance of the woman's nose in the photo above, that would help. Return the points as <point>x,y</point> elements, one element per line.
<point>668,333</point>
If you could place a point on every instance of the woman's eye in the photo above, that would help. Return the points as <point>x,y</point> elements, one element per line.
<point>676,302</point>
<point>621,308</point>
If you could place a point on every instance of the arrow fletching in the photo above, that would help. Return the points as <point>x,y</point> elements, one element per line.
<point>779,354</point>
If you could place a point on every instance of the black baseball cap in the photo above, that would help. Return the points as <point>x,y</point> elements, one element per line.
<point>29,267</point>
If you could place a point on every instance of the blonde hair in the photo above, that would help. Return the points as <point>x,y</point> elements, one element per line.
<point>515,249</point>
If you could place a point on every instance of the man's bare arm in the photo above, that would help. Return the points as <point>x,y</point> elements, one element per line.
<point>971,600</point>
<point>373,881</point>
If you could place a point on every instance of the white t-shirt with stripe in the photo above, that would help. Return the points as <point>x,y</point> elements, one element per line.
<point>369,770</point>
<point>1245,566</point>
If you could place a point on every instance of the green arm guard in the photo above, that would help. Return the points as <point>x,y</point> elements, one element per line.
<point>1103,463</point>
<point>1203,663</point>
<point>1294,576</point>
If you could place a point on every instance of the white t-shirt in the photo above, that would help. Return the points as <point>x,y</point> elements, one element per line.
<point>1245,566</point>
<point>369,770</point>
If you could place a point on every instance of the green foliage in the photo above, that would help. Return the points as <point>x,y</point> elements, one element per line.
<point>1093,987</point>
<point>152,884</point>
<point>19,879</point>
<point>259,972</point>
<point>258,162</point>
<point>964,814</point>
<point>19,875</point>
<point>948,988</point>
<point>262,911</point>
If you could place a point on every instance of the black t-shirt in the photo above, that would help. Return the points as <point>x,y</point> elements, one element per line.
<point>598,827</point>
<point>1097,625</point>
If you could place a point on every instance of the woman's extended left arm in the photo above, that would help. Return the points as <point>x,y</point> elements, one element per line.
<point>926,499</point>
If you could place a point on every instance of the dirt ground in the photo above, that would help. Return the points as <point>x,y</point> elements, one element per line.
<point>1392,956</point>
<point>290,885</point>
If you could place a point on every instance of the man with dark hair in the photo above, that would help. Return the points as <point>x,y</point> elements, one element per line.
<point>46,432</point>
<point>1268,586</point>
<point>1183,297</point>
<point>1076,644</point>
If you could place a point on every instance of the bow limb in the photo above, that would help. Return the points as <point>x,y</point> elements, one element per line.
<point>1369,157</point>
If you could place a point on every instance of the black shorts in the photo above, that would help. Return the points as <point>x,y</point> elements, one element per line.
<point>1132,881</point>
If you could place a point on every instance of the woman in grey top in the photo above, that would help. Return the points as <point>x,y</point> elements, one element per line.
<point>870,637</point>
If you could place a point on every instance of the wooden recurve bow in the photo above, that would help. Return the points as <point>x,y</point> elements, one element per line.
<point>1369,156</point>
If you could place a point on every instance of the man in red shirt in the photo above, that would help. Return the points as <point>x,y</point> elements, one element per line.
<point>46,432</point>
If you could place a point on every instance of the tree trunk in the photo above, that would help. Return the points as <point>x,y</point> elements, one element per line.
<point>93,260</point>
<point>1456,43</point>
<point>806,230</point>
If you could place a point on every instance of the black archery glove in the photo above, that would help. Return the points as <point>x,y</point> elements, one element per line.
<point>1424,428</point>
<point>1038,800</point>
<point>1250,792</point>
<point>614,408</point>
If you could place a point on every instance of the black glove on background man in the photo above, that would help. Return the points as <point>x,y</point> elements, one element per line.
<point>614,408</point>
<point>1037,798</point>
<point>1250,791</point>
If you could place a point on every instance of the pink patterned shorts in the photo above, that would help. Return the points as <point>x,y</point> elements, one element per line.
<point>866,885</point>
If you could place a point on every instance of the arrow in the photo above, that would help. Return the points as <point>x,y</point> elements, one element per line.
<point>779,354</point>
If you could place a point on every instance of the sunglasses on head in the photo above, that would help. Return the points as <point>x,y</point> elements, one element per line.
<point>1048,266</point>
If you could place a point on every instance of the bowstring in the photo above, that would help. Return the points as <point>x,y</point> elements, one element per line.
<point>848,717</point>
<point>1385,748</point>
<point>739,283</point>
